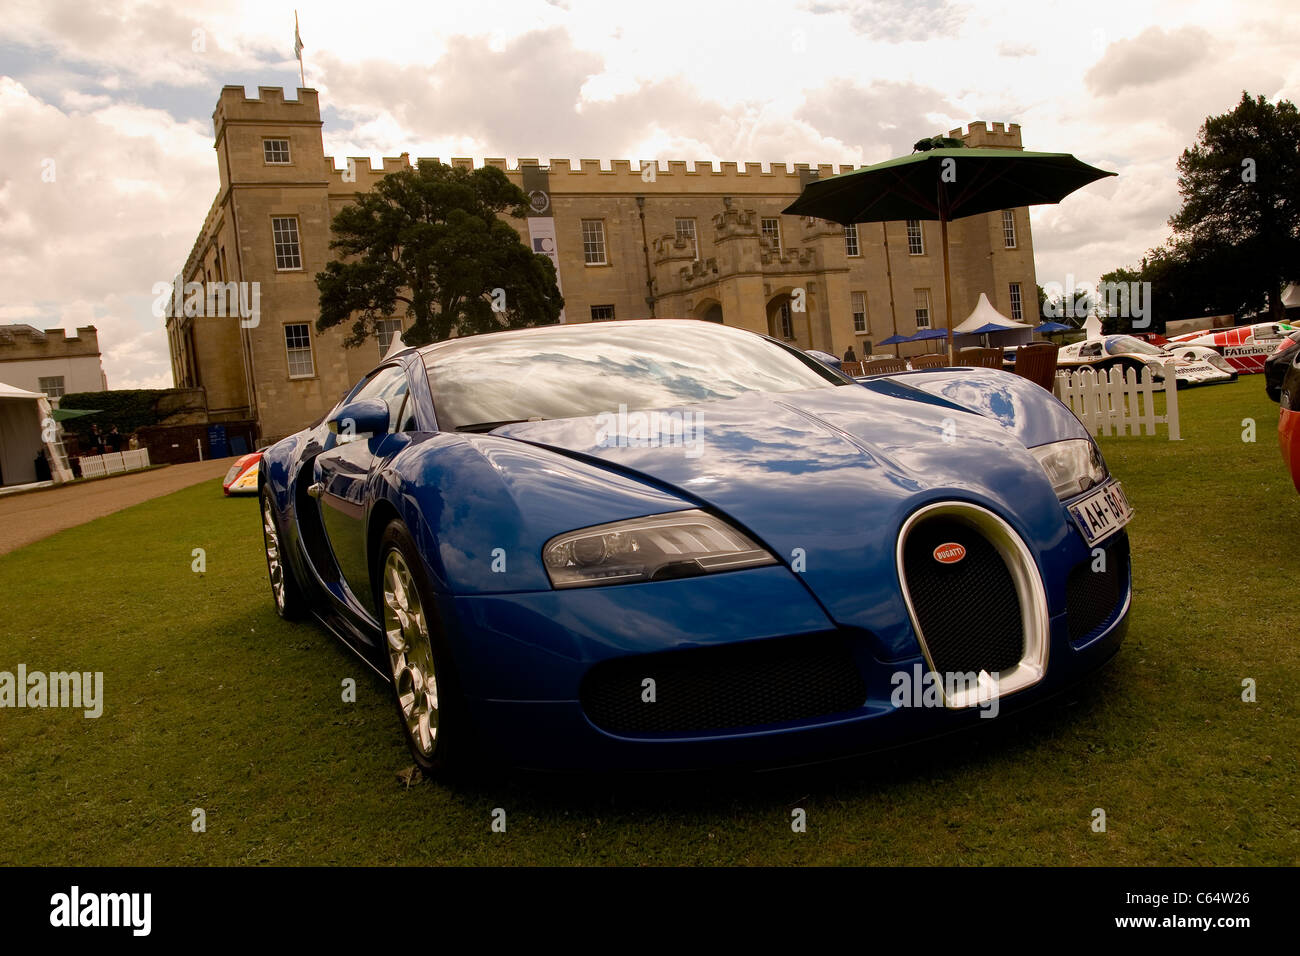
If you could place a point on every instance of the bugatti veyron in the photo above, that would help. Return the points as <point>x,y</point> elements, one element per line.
<point>671,544</point>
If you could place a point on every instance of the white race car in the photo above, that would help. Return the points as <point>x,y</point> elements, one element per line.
<point>1192,366</point>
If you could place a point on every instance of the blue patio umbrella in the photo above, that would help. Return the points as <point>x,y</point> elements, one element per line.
<point>986,328</point>
<point>1049,327</point>
<point>927,335</point>
<point>895,339</point>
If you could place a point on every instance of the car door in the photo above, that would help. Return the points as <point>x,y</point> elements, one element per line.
<point>341,475</point>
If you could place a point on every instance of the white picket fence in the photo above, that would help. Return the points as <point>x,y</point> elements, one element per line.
<point>1119,399</point>
<point>96,466</point>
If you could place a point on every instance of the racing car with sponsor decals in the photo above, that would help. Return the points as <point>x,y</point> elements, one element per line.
<point>1245,347</point>
<point>1126,351</point>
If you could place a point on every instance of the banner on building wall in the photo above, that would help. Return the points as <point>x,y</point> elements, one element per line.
<point>541,223</point>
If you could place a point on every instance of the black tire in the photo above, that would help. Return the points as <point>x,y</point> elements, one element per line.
<point>446,750</point>
<point>288,596</point>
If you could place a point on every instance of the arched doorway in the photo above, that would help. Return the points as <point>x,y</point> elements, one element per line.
<point>710,310</point>
<point>781,319</point>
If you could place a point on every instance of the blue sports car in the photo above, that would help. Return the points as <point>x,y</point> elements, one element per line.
<point>674,544</point>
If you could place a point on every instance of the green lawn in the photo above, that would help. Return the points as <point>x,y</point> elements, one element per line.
<point>213,702</point>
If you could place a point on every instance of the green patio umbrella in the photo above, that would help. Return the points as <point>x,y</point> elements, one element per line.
<point>945,184</point>
<point>64,414</point>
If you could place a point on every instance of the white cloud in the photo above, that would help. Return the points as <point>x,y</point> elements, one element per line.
<point>96,206</point>
<point>119,95</point>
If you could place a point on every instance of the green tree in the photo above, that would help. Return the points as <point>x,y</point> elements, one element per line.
<point>1188,280</point>
<point>430,242</point>
<point>1240,218</point>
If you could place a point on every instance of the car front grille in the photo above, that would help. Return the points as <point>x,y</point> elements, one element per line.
<point>968,612</point>
<point>1091,596</point>
<point>724,688</point>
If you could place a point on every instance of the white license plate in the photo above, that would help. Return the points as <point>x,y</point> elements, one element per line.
<point>1101,513</point>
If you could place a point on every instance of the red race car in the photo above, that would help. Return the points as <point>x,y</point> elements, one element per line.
<point>241,479</point>
<point>1245,347</point>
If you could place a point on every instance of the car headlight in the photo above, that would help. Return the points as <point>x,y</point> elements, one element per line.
<point>1072,466</point>
<point>658,548</point>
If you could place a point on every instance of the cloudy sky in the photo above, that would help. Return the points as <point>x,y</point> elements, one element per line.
<point>107,167</point>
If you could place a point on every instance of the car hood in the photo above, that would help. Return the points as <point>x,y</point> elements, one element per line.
<point>824,479</point>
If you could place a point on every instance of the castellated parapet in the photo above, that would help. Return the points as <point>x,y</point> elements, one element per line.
<point>632,238</point>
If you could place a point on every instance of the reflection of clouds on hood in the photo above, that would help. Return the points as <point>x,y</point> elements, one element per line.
<point>1001,404</point>
<point>576,372</point>
<point>773,447</point>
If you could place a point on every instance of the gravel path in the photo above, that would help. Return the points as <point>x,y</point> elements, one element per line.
<point>35,515</point>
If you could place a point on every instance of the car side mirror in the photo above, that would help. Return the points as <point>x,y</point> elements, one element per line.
<point>365,416</point>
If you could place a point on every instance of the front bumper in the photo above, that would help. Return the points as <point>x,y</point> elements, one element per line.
<point>523,658</point>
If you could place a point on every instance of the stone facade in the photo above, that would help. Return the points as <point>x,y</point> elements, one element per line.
<point>51,361</point>
<point>734,271</point>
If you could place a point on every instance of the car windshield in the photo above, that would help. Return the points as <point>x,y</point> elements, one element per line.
<point>582,370</point>
<point>1127,344</point>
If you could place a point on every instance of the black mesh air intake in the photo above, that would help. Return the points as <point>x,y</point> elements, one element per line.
<point>1091,596</point>
<point>724,688</point>
<point>968,611</point>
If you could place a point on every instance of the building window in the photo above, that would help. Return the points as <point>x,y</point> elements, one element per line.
<point>52,386</point>
<point>851,239</point>
<point>686,230</point>
<point>297,344</point>
<point>785,320</point>
<point>1009,228</point>
<point>1017,310</point>
<point>593,242</point>
<point>915,239</point>
<point>771,229</point>
<point>602,313</point>
<point>275,152</point>
<point>288,256</point>
<point>922,308</point>
<point>385,330</point>
<point>859,306</point>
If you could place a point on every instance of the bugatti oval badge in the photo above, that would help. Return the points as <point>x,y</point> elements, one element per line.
<point>949,553</point>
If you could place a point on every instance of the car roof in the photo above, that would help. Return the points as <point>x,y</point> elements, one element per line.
<point>587,328</point>
<point>427,353</point>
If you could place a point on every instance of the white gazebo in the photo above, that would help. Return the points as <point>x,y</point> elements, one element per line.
<point>26,421</point>
<point>986,320</point>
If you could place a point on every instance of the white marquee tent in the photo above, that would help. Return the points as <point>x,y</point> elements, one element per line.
<point>23,419</point>
<point>986,320</point>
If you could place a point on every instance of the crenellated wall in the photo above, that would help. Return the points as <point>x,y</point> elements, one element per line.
<point>731,272</point>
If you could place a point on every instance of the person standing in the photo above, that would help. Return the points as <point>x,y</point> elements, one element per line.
<point>850,355</point>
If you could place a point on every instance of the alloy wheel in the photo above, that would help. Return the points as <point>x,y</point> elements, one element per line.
<point>274,567</point>
<point>410,654</point>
